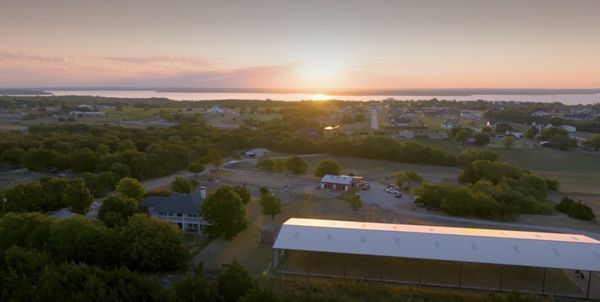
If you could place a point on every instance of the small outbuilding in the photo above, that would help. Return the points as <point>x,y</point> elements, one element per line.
<point>339,182</point>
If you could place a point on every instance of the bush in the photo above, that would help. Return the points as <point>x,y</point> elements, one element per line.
<point>581,211</point>
<point>565,204</point>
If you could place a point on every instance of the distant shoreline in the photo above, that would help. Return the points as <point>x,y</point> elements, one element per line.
<point>341,92</point>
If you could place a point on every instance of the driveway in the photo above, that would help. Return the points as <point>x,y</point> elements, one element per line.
<point>376,195</point>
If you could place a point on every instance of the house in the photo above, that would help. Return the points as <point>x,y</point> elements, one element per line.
<point>400,121</point>
<point>339,182</point>
<point>541,125</point>
<point>541,114</point>
<point>182,209</point>
<point>85,107</point>
<point>441,135</point>
<point>217,109</point>
<point>87,114</point>
<point>515,134</point>
<point>569,128</point>
<point>450,123</point>
<point>468,115</point>
<point>406,134</point>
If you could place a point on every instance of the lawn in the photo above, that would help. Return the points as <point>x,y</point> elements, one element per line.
<point>577,171</point>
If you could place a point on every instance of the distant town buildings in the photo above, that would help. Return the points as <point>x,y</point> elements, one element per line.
<point>87,114</point>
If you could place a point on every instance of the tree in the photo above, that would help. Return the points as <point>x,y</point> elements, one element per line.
<point>195,167</point>
<point>508,142</point>
<point>258,294</point>
<point>154,245</point>
<point>103,149</point>
<point>77,196</point>
<point>408,176</point>
<point>463,135</point>
<point>470,155</point>
<point>39,159</point>
<point>12,155</point>
<point>327,166</point>
<point>296,165</point>
<point>594,142</point>
<point>225,212</point>
<point>182,185</point>
<point>26,197</point>
<point>130,187</point>
<point>243,193</point>
<point>116,210</point>
<point>271,204</point>
<point>126,145</point>
<point>235,282</point>
<point>481,139</point>
<point>214,157</point>
<point>194,288</point>
<point>53,188</point>
<point>531,133</point>
<point>352,196</point>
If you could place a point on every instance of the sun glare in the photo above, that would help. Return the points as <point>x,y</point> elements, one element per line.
<point>320,97</point>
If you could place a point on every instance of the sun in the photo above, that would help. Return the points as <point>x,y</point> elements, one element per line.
<point>320,97</point>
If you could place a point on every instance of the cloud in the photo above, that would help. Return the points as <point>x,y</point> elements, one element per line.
<point>29,69</point>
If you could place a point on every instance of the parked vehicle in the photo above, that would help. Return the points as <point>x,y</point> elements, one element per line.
<point>391,191</point>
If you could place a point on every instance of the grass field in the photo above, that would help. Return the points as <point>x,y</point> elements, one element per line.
<point>577,171</point>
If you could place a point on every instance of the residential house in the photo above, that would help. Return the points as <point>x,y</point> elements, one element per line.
<point>217,109</point>
<point>406,134</point>
<point>569,128</point>
<point>468,115</point>
<point>181,209</point>
<point>515,134</point>
<point>450,123</point>
<point>541,125</point>
<point>541,114</point>
<point>86,107</point>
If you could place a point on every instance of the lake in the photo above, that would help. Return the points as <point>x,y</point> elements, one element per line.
<point>569,99</point>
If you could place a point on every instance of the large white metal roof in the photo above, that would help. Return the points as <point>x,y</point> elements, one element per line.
<point>538,249</point>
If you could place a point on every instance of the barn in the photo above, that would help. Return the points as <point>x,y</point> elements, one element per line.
<point>563,265</point>
<point>339,182</point>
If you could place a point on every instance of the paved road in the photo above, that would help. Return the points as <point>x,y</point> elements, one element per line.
<point>374,119</point>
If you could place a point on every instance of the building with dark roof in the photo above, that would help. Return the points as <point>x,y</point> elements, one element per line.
<point>182,209</point>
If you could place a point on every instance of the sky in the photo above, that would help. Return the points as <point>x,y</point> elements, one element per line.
<point>305,44</point>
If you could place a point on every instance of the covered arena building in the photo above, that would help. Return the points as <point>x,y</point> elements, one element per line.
<point>563,265</point>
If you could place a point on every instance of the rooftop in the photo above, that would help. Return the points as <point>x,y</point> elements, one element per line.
<point>538,249</point>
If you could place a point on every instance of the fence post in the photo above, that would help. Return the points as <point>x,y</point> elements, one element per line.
<point>587,294</point>
<point>501,276</point>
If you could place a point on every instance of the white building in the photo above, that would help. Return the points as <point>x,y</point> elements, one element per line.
<point>569,128</point>
<point>87,114</point>
<point>541,113</point>
<point>215,110</point>
<point>377,251</point>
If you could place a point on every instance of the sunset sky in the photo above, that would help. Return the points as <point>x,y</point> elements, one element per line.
<point>300,44</point>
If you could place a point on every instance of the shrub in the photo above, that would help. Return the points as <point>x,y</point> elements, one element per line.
<point>565,204</point>
<point>581,211</point>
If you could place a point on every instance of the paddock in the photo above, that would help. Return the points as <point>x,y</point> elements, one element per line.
<point>561,265</point>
